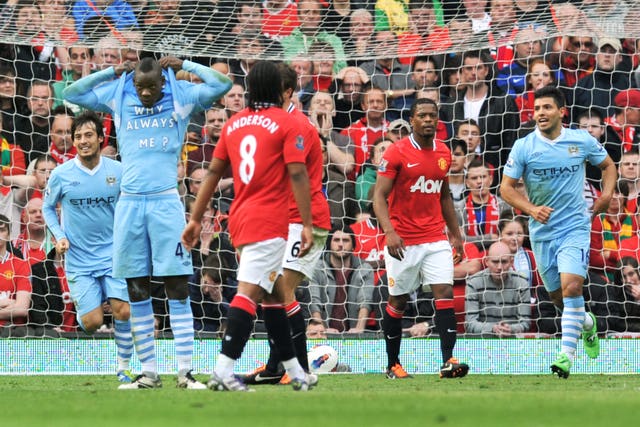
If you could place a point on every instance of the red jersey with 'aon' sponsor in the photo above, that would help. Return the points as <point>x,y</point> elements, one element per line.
<point>414,201</point>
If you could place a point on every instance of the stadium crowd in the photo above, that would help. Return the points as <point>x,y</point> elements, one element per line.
<point>360,66</point>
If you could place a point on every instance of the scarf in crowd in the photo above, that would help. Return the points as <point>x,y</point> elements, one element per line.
<point>626,135</point>
<point>5,154</point>
<point>625,231</point>
<point>482,220</point>
<point>61,157</point>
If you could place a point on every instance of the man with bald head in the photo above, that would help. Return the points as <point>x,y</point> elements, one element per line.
<point>498,299</point>
<point>151,110</point>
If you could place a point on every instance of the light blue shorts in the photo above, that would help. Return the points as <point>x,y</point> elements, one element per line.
<point>566,254</point>
<point>89,292</point>
<point>146,236</point>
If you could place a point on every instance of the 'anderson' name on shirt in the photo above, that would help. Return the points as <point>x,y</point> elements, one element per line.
<point>254,120</point>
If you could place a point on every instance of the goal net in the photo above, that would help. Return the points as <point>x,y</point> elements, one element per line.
<point>346,55</point>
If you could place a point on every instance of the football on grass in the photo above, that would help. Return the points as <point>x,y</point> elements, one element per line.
<point>322,359</point>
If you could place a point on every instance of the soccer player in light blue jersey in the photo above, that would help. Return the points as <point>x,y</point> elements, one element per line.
<point>151,111</point>
<point>87,189</point>
<point>551,161</point>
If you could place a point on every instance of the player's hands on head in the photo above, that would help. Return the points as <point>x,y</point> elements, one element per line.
<point>62,246</point>
<point>541,214</point>
<point>171,62</point>
<point>125,67</point>
<point>191,234</point>
<point>395,245</point>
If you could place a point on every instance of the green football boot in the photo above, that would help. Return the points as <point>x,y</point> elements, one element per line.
<point>590,339</point>
<point>561,366</point>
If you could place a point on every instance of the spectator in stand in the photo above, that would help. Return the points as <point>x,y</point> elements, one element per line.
<point>476,12</point>
<point>210,298</point>
<point>32,185</point>
<point>33,242</point>
<point>461,35</point>
<point>481,213</point>
<point>498,299</point>
<point>310,14</point>
<point>539,74</point>
<point>369,128</point>
<point>458,149</point>
<point>62,148</point>
<point>348,99</point>
<point>338,15</point>
<point>199,154</point>
<point>621,128</point>
<point>503,31</point>
<point>592,122</point>
<point>387,73</point>
<point>118,11</point>
<point>339,159</point>
<point>367,177</point>
<point>11,106</point>
<point>575,61</point>
<point>450,79</point>
<point>424,33</point>
<point>107,53</point>
<point>512,77</point>
<point>11,157</point>
<point>370,241</point>
<point>628,281</point>
<point>32,131</point>
<point>249,48</point>
<point>629,171</point>
<point>607,16</point>
<point>342,286</point>
<point>279,18</point>
<point>495,112</point>
<point>513,231</point>
<point>15,287</point>
<point>598,89</point>
<point>398,129</point>
<point>322,56</point>
<point>533,13</point>
<point>234,100</point>
<point>52,308</point>
<point>424,74</point>
<point>248,16</point>
<point>79,66</point>
<point>609,230</point>
<point>359,45</point>
<point>304,69</point>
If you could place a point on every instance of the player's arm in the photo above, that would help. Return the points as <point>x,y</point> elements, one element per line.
<point>215,84</point>
<point>81,91</point>
<point>450,218</point>
<point>609,179</point>
<point>191,233</point>
<point>382,189</point>
<point>302,193</point>
<point>517,200</point>
<point>50,213</point>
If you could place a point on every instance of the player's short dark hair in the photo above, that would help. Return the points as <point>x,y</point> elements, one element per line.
<point>551,92</point>
<point>422,101</point>
<point>591,112</point>
<point>458,143</point>
<point>87,117</point>
<point>148,65</point>
<point>62,110</point>
<point>264,85</point>
<point>478,162</point>
<point>289,76</point>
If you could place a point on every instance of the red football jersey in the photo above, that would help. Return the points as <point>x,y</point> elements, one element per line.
<point>370,243</point>
<point>259,145</point>
<point>69,321</point>
<point>280,23</point>
<point>14,277</point>
<point>363,138</point>
<point>313,160</point>
<point>414,201</point>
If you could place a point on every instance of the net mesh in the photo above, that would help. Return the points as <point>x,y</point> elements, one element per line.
<point>42,42</point>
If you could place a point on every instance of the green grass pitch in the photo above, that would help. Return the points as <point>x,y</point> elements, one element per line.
<point>339,400</point>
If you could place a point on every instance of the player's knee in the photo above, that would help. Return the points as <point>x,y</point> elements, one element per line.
<point>121,311</point>
<point>176,287</point>
<point>91,322</point>
<point>138,289</point>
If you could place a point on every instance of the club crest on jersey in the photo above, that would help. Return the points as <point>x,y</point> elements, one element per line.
<point>442,164</point>
<point>111,180</point>
<point>299,142</point>
<point>383,166</point>
<point>273,276</point>
<point>392,282</point>
<point>573,150</point>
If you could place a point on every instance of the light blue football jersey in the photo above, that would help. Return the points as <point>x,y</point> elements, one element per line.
<point>87,199</point>
<point>554,174</point>
<point>149,139</point>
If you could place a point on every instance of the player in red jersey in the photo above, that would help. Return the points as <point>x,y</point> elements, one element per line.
<point>295,269</point>
<point>413,204</point>
<point>15,287</point>
<point>262,144</point>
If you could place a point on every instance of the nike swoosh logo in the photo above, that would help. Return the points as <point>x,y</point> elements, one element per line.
<point>410,165</point>
<point>452,330</point>
<point>261,377</point>
<point>391,338</point>
<point>291,260</point>
<point>365,240</point>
